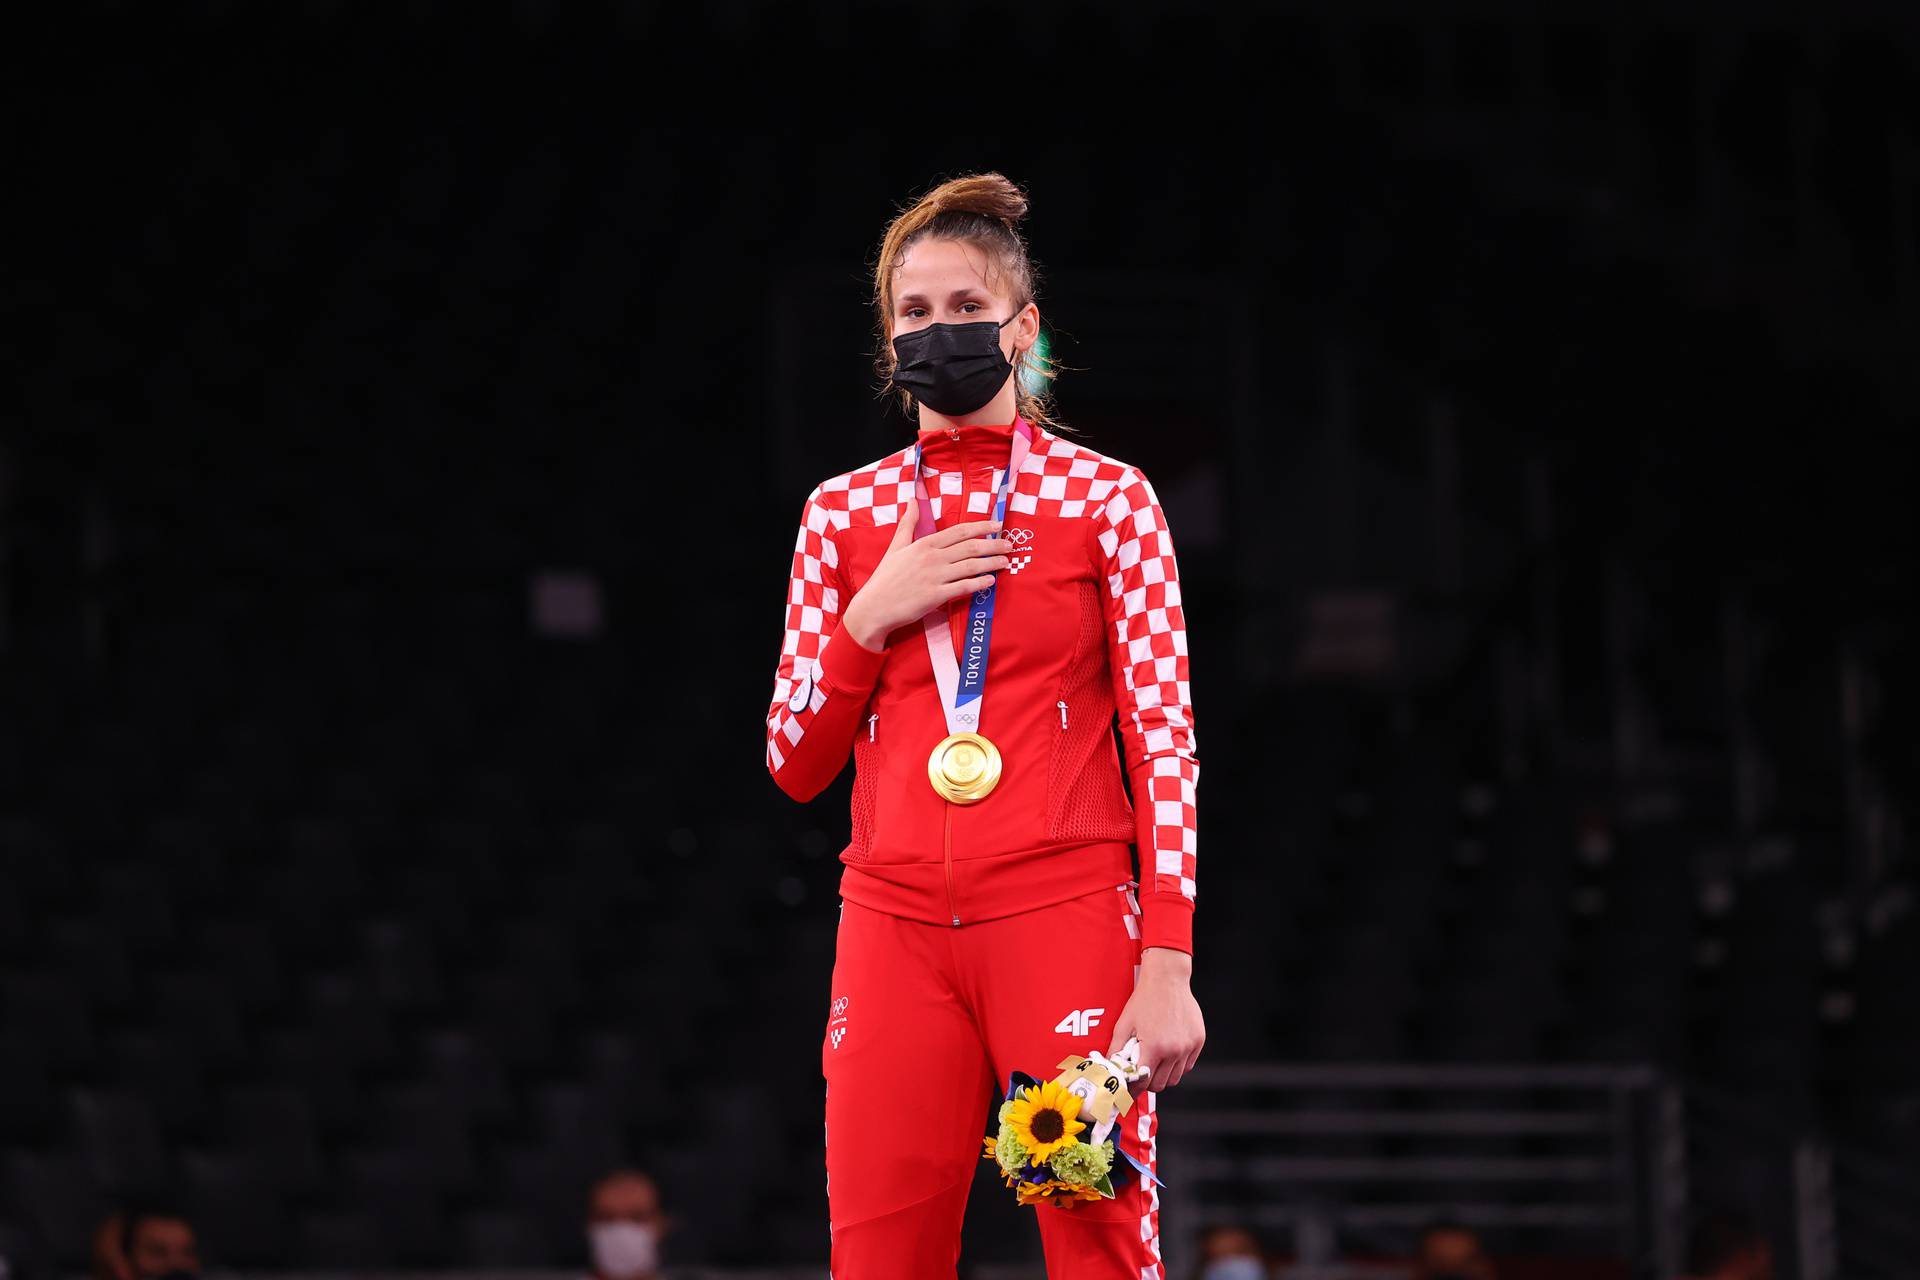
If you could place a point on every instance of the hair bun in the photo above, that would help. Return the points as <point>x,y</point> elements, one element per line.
<point>990,194</point>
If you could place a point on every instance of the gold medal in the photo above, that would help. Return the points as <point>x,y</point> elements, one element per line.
<point>964,767</point>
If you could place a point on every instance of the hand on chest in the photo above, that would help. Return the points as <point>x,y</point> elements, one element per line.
<point>1036,596</point>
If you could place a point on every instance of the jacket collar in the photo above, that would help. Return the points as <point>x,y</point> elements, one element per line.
<point>973,447</point>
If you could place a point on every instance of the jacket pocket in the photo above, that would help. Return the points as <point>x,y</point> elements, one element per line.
<point>866,788</point>
<point>1086,796</point>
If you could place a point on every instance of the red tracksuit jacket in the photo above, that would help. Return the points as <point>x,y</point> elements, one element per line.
<point>1087,620</point>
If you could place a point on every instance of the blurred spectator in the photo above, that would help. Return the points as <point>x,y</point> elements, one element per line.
<point>145,1241</point>
<point>1724,1246</point>
<point>107,1256</point>
<point>1451,1250</point>
<point>625,1226</point>
<point>1231,1253</point>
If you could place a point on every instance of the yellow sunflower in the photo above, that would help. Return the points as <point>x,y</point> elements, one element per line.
<point>1045,1117</point>
<point>1055,1190</point>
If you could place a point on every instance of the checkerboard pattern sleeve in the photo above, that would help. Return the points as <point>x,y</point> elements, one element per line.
<point>824,677</point>
<point>1147,648</point>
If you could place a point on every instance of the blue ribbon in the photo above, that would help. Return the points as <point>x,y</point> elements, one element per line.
<point>979,635</point>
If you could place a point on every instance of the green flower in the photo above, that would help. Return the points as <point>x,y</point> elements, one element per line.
<point>1082,1165</point>
<point>1010,1152</point>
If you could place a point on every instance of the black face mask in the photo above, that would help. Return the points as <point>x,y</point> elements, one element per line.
<point>952,368</point>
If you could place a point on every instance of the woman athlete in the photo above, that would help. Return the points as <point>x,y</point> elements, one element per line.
<point>991,919</point>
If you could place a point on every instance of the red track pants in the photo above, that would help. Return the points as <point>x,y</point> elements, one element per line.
<point>924,1026</point>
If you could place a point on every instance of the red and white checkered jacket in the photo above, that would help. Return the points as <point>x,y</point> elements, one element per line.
<point>1087,621</point>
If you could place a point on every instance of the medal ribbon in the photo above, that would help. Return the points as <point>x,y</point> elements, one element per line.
<point>963,687</point>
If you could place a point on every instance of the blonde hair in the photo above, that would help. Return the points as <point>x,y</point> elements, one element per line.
<point>983,210</point>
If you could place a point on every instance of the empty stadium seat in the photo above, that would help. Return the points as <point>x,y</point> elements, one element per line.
<point>500,1238</point>
<point>165,1068</point>
<point>510,1015</point>
<point>397,1185</point>
<point>238,1213</point>
<point>467,1072</point>
<point>342,1010</point>
<point>51,1014</point>
<point>431,1125</point>
<point>57,1195</point>
<point>242,948</point>
<point>274,1127</point>
<point>343,1239</point>
<point>120,1140</point>
<point>199,1006</point>
<point>92,953</point>
<point>28,1111</point>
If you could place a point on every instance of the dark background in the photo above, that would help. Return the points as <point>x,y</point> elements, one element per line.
<point>1528,392</point>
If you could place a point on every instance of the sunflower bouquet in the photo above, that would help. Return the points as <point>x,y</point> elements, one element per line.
<point>1053,1140</point>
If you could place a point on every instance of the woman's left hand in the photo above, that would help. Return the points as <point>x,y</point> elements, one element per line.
<point>1164,1015</point>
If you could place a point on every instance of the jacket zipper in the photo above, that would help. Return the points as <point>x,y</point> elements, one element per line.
<point>1062,704</point>
<point>870,723</point>
<point>946,849</point>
